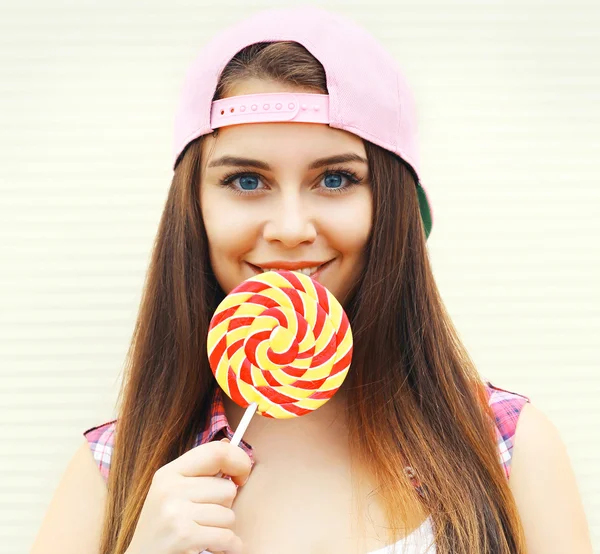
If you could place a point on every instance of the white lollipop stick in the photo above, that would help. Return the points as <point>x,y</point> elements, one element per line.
<point>241,428</point>
<point>245,421</point>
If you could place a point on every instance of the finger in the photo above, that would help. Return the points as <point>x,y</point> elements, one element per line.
<point>211,458</point>
<point>217,539</point>
<point>213,515</point>
<point>220,474</point>
<point>209,490</point>
<point>239,480</point>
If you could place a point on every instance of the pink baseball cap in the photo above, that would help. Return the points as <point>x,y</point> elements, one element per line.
<point>368,95</point>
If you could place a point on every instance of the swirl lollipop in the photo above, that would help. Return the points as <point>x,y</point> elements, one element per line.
<point>280,344</point>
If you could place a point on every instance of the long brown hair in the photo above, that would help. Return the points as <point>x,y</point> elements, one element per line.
<point>415,395</point>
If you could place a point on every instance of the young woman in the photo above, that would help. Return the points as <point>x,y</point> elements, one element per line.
<point>413,453</point>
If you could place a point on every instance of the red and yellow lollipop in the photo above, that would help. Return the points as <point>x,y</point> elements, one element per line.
<point>280,343</point>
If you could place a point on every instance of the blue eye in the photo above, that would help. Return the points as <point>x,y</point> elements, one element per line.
<point>248,182</point>
<point>335,176</point>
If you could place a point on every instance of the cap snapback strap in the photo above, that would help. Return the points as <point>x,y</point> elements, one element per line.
<point>268,107</point>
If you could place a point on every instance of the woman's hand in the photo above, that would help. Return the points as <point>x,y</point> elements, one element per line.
<point>188,509</point>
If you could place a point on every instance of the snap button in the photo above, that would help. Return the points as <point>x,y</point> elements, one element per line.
<point>410,472</point>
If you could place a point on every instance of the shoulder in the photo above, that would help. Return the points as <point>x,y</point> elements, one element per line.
<point>545,487</point>
<point>507,407</point>
<point>101,440</point>
<point>73,519</point>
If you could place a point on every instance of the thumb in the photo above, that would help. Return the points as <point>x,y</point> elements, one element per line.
<point>221,474</point>
<point>228,477</point>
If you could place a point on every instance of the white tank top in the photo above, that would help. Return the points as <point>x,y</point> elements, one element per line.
<point>420,541</point>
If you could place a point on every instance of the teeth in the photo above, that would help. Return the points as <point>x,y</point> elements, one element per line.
<point>306,271</point>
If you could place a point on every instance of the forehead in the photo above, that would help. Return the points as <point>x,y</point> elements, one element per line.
<point>281,143</point>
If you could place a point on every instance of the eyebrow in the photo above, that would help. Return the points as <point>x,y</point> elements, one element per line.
<point>248,162</point>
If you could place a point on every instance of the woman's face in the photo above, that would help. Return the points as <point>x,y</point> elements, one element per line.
<point>282,207</point>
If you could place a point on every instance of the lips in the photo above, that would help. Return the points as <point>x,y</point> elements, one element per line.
<point>321,269</point>
<point>257,270</point>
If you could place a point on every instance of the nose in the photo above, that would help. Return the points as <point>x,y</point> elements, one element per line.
<point>290,222</point>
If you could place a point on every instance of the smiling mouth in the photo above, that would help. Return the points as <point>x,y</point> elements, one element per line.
<point>310,272</point>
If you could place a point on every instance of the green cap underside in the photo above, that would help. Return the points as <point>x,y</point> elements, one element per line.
<point>425,211</point>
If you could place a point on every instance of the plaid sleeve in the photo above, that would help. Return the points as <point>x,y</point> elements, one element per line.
<point>507,406</point>
<point>101,440</point>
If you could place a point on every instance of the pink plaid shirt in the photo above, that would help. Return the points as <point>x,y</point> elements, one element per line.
<point>506,406</point>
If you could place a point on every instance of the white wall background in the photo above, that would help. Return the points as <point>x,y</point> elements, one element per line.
<point>508,96</point>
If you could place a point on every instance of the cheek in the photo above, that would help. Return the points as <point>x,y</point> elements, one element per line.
<point>228,227</point>
<point>349,223</point>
